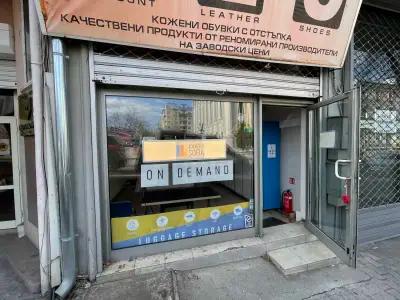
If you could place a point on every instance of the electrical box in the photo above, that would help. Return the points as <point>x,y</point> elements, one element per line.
<point>6,41</point>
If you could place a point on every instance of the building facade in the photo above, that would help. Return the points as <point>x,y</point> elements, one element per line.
<point>162,151</point>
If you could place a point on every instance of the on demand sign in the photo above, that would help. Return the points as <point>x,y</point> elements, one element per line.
<point>309,32</point>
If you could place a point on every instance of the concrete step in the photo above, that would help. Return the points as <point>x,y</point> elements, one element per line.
<point>287,235</point>
<point>275,238</point>
<point>187,259</point>
<point>302,257</point>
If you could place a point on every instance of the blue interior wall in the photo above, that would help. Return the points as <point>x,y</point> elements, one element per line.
<point>271,165</point>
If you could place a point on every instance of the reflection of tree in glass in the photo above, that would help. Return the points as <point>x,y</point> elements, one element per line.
<point>244,136</point>
<point>130,122</point>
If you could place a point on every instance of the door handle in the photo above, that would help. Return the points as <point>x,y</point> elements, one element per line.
<point>340,161</point>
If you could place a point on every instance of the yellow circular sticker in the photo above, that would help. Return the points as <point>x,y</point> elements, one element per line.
<point>3,147</point>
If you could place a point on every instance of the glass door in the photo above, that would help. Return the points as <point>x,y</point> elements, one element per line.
<point>9,195</point>
<point>333,173</point>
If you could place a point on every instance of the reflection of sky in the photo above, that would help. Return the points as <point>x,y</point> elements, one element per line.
<point>147,109</point>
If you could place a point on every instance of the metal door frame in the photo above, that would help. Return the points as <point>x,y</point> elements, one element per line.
<point>11,121</point>
<point>288,104</point>
<point>347,255</point>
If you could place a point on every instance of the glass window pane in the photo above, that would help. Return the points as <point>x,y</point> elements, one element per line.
<point>6,170</point>
<point>6,105</point>
<point>177,169</point>
<point>7,210</point>
<point>328,206</point>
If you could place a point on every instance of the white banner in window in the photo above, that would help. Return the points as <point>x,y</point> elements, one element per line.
<point>198,172</point>
<point>154,175</point>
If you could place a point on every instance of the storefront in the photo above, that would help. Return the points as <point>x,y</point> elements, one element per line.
<point>183,128</point>
<point>173,149</point>
<point>185,164</point>
<point>180,166</point>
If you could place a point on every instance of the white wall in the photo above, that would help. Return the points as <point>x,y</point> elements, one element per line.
<point>290,162</point>
<point>291,159</point>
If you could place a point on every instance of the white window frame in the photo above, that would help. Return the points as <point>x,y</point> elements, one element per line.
<point>16,186</point>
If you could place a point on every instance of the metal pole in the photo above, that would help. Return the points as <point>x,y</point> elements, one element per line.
<point>63,156</point>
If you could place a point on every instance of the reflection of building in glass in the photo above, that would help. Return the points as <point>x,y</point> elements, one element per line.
<point>228,120</point>
<point>176,117</point>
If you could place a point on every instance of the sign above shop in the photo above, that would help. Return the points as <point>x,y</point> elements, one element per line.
<point>307,32</point>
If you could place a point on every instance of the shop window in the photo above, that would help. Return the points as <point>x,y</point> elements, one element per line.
<point>7,209</point>
<point>176,171</point>
<point>6,103</point>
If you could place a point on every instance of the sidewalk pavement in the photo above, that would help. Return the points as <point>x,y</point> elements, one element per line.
<point>377,277</point>
<point>19,268</point>
<point>11,287</point>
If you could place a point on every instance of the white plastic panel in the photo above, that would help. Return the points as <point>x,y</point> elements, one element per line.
<point>8,74</point>
<point>6,41</point>
<point>136,72</point>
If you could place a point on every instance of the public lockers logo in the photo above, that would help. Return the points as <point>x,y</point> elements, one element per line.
<point>245,6</point>
<point>324,13</point>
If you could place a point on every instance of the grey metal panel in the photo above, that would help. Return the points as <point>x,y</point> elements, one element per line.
<point>82,155</point>
<point>378,223</point>
<point>137,72</point>
<point>384,4</point>
<point>8,74</point>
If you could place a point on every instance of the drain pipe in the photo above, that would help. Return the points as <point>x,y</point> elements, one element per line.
<point>64,175</point>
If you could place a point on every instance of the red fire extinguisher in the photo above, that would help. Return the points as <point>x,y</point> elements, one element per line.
<point>287,202</point>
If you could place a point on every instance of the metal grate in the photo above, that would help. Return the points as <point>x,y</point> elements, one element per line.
<point>203,60</point>
<point>377,70</point>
